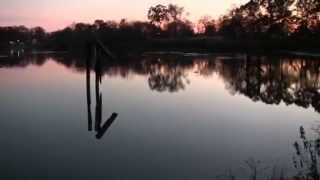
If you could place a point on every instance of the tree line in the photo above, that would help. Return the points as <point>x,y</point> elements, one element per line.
<point>290,22</point>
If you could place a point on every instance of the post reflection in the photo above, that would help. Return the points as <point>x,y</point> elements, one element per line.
<point>268,79</point>
<point>99,127</point>
<point>88,84</point>
<point>271,80</point>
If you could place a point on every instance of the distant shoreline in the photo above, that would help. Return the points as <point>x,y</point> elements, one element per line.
<point>186,53</point>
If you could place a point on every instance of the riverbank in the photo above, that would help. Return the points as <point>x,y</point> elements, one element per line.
<point>218,45</point>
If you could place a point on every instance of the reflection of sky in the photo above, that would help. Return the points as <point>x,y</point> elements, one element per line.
<point>54,14</point>
<point>200,131</point>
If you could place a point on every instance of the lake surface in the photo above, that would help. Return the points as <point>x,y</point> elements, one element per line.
<point>155,116</point>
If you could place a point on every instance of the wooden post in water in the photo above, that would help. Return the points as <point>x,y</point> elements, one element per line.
<point>88,95</point>
<point>94,55</point>
<point>91,53</point>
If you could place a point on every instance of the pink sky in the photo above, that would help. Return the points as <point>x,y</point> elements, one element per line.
<point>57,14</point>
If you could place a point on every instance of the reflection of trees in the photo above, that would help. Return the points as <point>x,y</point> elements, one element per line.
<point>171,82</point>
<point>164,77</point>
<point>271,80</point>
<point>167,73</point>
<point>24,61</point>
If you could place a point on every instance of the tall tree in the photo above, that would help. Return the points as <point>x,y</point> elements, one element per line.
<point>308,13</point>
<point>278,11</point>
<point>206,25</point>
<point>158,15</point>
<point>175,12</point>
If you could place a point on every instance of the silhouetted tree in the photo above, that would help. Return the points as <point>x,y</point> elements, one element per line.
<point>158,15</point>
<point>38,33</point>
<point>308,11</point>
<point>231,25</point>
<point>175,12</point>
<point>179,29</point>
<point>207,26</point>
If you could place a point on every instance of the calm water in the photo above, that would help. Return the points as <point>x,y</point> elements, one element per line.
<point>154,117</point>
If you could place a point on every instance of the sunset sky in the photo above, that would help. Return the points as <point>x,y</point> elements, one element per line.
<point>56,14</point>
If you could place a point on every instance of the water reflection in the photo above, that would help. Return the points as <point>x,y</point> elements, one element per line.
<point>307,155</point>
<point>100,128</point>
<point>167,76</point>
<point>270,80</point>
<point>198,138</point>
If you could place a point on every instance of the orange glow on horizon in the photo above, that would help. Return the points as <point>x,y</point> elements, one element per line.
<point>57,14</point>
